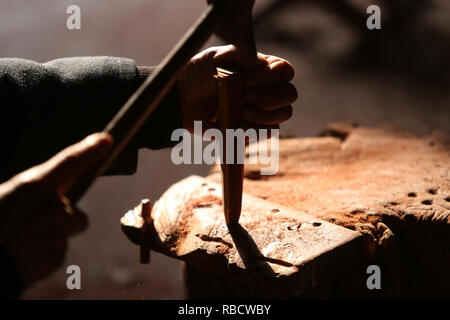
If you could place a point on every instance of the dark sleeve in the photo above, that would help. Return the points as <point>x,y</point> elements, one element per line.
<point>47,107</point>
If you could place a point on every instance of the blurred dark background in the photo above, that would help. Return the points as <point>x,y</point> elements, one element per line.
<point>345,73</point>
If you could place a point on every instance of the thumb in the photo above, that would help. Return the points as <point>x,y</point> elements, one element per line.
<point>65,167</point>
<point>230,56</point>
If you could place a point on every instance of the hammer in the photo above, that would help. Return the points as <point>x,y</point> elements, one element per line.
<point>230,20</point>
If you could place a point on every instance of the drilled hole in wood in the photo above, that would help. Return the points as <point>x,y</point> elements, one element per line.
<point>207,238</point>
<point>432,191</point>
<point>203,206</point>
<point>427,202</point>
<point>275,211</point>
<point>317,224</point>
<point>412,194</point>
<point>294,227</point>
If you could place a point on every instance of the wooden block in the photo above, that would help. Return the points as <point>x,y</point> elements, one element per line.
<point>274,247</point>
<point>363,175</point>
<point>389,185</point>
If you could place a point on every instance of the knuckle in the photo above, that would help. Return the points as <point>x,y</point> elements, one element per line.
<point>71,157</point>
<point>213,49</point>
<point>221,51</point>
<point>210,52</point>
<point>229,47</point>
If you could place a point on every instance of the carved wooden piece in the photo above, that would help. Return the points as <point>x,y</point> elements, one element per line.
<point>391,186</point>
<point>273,247</point>
<point>231,102</point>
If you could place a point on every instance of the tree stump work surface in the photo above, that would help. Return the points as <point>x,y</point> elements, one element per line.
<point>371,195</point>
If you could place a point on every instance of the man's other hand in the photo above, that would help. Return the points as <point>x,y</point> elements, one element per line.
<point>36,219</point>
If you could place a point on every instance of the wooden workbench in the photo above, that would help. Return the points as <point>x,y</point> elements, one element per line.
<point>339,203</point>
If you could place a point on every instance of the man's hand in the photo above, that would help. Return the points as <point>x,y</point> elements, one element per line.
<point>35,218</point>
<point>269,94</point>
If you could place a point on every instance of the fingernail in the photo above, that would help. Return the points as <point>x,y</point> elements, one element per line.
<point>248,114</point>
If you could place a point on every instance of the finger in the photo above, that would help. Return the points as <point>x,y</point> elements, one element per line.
<point>230,56</point>
<point>258,116</point>
<point>277,70</point>
<point>270,98</point>
<point>61,170</point>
